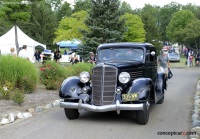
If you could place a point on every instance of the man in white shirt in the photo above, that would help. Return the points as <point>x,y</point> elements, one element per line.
<point>23,53</point>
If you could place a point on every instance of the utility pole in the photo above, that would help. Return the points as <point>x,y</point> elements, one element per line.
<point>16,39</point>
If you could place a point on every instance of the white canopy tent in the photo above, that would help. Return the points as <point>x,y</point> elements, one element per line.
<point>8,40</point>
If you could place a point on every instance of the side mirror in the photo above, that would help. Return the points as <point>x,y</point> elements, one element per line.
<point>153,53</point>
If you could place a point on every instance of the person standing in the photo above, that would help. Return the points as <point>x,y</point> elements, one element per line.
<point>163,62</point>
<point>191,60</point>
<point>37,56</point>
<point>197,58</point>
<point>188,57</point>
<point>65,52</point>
<point>57,55</point>
<point>12,51</point>
<point>92,58</point>
<point>23,53</point>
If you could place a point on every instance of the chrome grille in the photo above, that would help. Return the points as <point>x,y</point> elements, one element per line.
<point>103,85</point>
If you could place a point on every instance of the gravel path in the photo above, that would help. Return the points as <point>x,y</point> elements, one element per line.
<point>39,97</point>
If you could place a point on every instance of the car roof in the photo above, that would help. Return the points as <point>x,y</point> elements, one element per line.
<point>124,44</point>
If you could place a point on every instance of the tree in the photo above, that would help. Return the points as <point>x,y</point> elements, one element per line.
<point>191,34</point>
<point>69,27</point>
<point>13,12</point>
<point>149,18</point>
<point>197,12</point>
<point>126,8</point>
<point>81,5</point>
<point>104,24</point>
<point>55,4</point>
<point>135,28</point>
<point>165,15</point>
<point>4,26</point>
<point>42,23</point>
<point>178,22</point>
<point>193,8</point>
<point>64,11</point>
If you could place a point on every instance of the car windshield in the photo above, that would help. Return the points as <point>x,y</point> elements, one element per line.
<point>110,54</point>
<point>173,54</point>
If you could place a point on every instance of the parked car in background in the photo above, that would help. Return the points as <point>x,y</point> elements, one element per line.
<point>46,55</point>
<point>174,57</point>
<point>177,50</point>
<point>125,78</point>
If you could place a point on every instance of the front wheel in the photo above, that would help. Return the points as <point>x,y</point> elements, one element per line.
<point>71,113</point>
<point>143,115</point>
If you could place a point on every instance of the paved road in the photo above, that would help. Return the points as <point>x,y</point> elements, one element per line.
<point>172,115</point>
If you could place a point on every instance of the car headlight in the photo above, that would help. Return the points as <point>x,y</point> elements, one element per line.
<point>124,77</point>
<point>84,77</point>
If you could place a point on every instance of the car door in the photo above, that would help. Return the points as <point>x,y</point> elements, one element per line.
<point>151,63</point>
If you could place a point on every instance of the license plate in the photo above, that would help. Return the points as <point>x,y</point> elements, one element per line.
<point>129,97</point>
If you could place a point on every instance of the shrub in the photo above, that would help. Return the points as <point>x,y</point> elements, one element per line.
<point>28,84</point>
<point>18,96</point>
<point>20,72</point>
<point>6,90</point>
<point>76,69</point>
<point>52,74</point>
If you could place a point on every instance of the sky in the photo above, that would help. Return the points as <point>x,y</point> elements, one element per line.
<point>140,3</point>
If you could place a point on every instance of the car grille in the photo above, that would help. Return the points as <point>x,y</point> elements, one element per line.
<point>104,81</point>
<point>136,74</point>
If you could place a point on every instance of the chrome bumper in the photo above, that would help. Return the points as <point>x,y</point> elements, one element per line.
<point>113,107</point>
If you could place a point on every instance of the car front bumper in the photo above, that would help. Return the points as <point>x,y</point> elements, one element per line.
<point>174,59</point>
<point>113,107</point>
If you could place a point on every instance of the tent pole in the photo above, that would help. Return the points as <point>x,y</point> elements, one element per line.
<point>16,39</point>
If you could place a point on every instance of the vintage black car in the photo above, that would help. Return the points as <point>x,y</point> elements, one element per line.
<point>125,77</point>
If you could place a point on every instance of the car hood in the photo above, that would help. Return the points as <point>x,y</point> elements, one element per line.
<point>120,64</point>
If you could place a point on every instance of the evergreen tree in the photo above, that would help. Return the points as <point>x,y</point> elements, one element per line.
<point>104,25</point>
<point>64,11</point>
<point>13,12</point>
<point>81,5</point>
<point>149,19</point>
<point>126,8</point>
<point>42,23</point>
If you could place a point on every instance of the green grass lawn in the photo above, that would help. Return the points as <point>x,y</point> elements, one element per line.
<point>63,49</point>
<point>181,64</point>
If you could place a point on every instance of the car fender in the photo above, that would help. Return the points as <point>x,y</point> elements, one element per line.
<point>142,86</point>
<point>160,84</point>
<point>71,88</point>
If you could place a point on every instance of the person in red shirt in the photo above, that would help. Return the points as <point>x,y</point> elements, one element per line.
<point>191,60</point>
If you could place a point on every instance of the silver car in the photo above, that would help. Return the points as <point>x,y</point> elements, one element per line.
<point>174,57</point>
